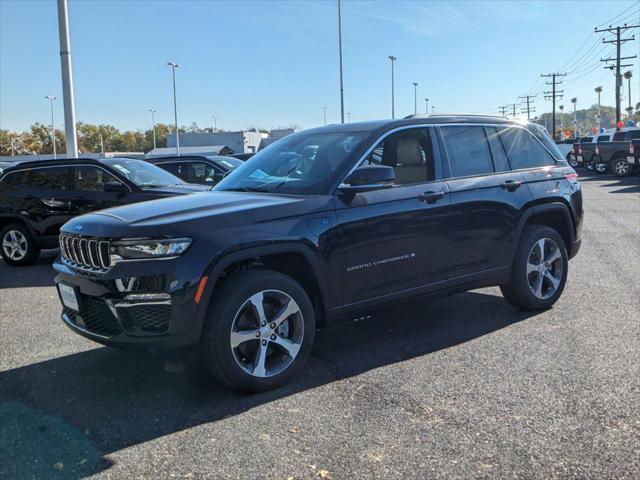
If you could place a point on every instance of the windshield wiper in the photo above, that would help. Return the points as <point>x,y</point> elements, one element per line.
<point>245,189</point>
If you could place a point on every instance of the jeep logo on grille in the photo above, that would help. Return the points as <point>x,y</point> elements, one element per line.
<point>78,227</point>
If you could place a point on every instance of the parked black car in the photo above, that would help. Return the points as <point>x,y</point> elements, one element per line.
<point>322,225</point>
<point>205,170</point>
<point>37,197</point>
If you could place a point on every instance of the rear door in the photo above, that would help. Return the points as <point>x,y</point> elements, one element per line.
<point>486,203</point>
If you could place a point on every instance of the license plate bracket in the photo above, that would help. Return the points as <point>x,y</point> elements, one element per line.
<point>69,296</point>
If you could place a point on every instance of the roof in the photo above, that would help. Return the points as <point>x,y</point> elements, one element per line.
<point>171,151</point>
<point>30,162</point>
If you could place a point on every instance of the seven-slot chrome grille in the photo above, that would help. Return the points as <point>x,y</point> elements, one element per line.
<point>87,253</point>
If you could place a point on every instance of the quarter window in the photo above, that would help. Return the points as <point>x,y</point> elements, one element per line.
<point>500,162</point>
<point>467,150</point>
<point>409,153</point>
<point>92,179</point>
<point>523,150</point>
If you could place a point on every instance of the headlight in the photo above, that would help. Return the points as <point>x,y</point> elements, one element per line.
<point>140,249</point>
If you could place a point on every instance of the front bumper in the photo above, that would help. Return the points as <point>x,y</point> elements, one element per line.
<point>155,309</point>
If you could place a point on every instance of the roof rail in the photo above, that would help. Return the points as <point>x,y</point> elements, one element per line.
<point>435,115</point>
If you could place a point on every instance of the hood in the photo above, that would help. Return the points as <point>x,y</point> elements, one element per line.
<point>186,213</point>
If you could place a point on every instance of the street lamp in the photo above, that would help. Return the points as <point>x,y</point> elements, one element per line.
<point>324,115</point>
<point>153,126</point>
<point>574,100</point>
<point>415,98</point>
<point>426,105</point>
<point>53,128</point>
<point>561,107</point>
<point>433,109</point>
<point>393,100</point>
<point>215,123</point>
<point>598,90</point>
<point>340,49</point>
<point>628,74</point>
<point>175,105</point>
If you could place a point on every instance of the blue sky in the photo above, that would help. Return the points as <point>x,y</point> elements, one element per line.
<point>275,63</point>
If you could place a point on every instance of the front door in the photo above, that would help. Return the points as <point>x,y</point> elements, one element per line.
<point>392,241</point>
<point>89,193</point>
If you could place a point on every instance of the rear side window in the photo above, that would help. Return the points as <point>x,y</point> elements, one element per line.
<point>55,178</point>
<point>468,151</point>
<point>500,162</point>
<point>523,150</point>
<point>603,138</point>
<point>91,179</point>
<point>634,134</point>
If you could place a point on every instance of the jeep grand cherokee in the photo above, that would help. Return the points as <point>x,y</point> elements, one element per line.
<point>322,225</point>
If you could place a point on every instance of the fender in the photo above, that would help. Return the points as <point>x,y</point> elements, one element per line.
<point>554,207</point>
<point>222,261</point>
<point>19,219</point>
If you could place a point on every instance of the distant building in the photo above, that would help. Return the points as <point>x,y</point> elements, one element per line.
<point>205,150</point>
<point>238,142</point>
<point>275,135</point>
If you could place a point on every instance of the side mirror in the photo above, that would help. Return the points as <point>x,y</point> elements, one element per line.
<point>114,187</point>
<point>368,178</point>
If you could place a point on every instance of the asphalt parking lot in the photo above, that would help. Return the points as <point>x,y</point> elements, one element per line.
<point>463,387</point>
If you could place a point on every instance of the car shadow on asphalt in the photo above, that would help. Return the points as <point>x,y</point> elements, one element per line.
<point>63,417</point>
<point>629,184</point>
<point>40,274</point>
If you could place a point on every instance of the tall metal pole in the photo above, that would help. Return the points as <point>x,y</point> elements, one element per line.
<point>349,117</point>
<point>393,100</point>
<point>67,81</point>
<point>574,100</point>
<point>433,109</point>
<point>628,74</point>
<point>175,105</point>
<point>415,98</point>
<point>324,115</point>
<point>53,127</point>
<point>340,48</point>
<point>599,91</point>
<point>215,122</point>
<point>153,126</point>
<point>426,105</point>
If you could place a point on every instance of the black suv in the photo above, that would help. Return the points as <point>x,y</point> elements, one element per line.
<point>37,197</point>
<point>205,170</point>
<point>322,225</point>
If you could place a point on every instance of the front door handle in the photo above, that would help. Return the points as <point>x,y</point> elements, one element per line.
<point>511,185</point>
<point>431,197</point>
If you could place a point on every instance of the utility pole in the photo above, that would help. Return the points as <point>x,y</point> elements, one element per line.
<point>67,81</point>
<point>393,100</point>
<point>340,48</point>
<point>53,127</point>
<point>415,98</point>
<point>527,99</point>
<point>426,106</point>
<point>153,126</point>
<point>552,95</point>
<point>175,105</point>
<point>503,110</point>
<point>618,42</point>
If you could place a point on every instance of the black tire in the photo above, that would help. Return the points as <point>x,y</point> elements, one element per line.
<point>217,353</point>
<point>620,167</point>
<point>32,248</point>
<point>517,290</point>
<point>573,161</point>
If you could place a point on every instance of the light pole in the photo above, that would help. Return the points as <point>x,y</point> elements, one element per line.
<point>215,122</point>
<point>175,105</point>
<point>349,117</point>
<point>393,99</point>
<point>433,109</point>
<point>53,128</point>
<point>426,105</point>
<point>415,98</point>
<point>561,107</point>
<point>153,126</point>
<point>340,49</point>
<point>598,90</point>
<point>628,74</point>
<point>574,100</point>
<point>67,81</point>
<point>324,115</point>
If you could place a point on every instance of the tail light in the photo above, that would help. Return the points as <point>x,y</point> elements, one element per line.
<point>571,176</point>
<point>632,149</point>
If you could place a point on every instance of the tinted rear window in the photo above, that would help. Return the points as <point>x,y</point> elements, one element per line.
<point>523,150</point>
<point>54,178</point>
<point>467,150</point>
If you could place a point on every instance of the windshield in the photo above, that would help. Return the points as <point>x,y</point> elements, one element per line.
<point>302,163</point>
<point>228,163</point>
<point>143,174</point>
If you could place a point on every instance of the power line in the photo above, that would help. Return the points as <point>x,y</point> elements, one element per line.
<point>615,19</point>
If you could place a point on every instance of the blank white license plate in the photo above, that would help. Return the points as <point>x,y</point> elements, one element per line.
<point>68,296</point>
<point>580,159</point>
<point>631,160</point>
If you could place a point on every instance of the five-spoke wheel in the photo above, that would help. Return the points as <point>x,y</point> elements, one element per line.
<point>17,245</point>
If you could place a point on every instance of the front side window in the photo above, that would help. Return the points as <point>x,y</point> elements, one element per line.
<point>56,178</point>
<point>91,179</point>
<point>409,153</point>
<point>523,150</point>
<point>303,163</point>
<point>468,150</point>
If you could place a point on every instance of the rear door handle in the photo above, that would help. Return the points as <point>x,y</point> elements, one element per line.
<point>511,185</point>
<point>431,197</point>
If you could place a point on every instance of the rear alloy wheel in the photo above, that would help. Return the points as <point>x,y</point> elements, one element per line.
<point>17,245</point>
<point>259,331</point>
<point>539,270</point>
<point>621,167</point>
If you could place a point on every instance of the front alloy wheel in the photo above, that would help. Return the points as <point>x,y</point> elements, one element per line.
<point>14,245</point>
<point>17,245</point>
